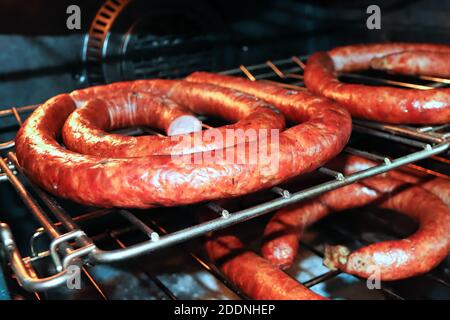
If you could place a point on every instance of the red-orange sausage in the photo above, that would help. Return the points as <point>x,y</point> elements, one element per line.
<point>381,103</point>
<point>358,57</point>
<point>287,101</point>
<point>312,114</point>
<point>438,186</point>
<point>85,129</point>
<point>253,275</point>
<point>283,232</point>
<point>415,63</point>
<point>398,259</point>
<point>144,182</point>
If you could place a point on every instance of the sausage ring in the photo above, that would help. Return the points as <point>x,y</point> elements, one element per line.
<point>382,103</point>
<point>261,278</point>
<point>85,129</point>
<point>402,258</point>
<point>152,180</point>
<point>440,187</point>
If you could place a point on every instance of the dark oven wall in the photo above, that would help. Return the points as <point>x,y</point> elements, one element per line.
<point>40,57</point>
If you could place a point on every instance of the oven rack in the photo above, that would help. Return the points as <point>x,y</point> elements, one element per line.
<point>70,244</point>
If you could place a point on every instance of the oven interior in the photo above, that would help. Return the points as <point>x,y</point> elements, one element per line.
<point>158,253</point>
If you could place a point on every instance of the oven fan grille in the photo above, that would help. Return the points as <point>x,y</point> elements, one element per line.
<point>69,242</point>
<point>125,43</point>
<point>94,48</point>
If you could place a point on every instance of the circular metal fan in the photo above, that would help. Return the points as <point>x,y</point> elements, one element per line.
<point>130,39</point>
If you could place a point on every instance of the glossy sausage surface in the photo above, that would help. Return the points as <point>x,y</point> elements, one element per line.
<point>85,129</point>
<point>379,103</point>
<point>284,230</point>
<point>162,180</point>
<point>415,63</point>
<point>253,275</point>
<point>404,258</point>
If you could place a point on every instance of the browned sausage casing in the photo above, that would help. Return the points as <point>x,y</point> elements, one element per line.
<point>253,275</point>
<point>415,63</point>
<point>148,181</point>
<point>380,103</point>
<point>400,259</point>
<point>85,129</point>
<point>438,186</point>
<point>404,258</point>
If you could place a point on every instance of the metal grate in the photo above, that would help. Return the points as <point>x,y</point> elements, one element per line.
<point>69,243</point>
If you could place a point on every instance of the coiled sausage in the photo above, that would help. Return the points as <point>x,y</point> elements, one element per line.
<point>144,182</point>
<point>381,103</point>
<point>415,63</point>
<point>84,130</point>
<point>284,230</point>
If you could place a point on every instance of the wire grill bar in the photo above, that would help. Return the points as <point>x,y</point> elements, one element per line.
<point>430,140</point>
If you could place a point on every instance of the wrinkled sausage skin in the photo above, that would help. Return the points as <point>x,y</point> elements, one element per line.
<point>415,63</point>
<point>283,232</point>
<point>85,129</point>
<point>158,180</point>
<point>253,275</point>
<point>379,103</point>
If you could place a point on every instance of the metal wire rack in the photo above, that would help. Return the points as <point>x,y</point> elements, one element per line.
<point>69,243</point>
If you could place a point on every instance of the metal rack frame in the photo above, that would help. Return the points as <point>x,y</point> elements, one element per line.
<point>70,245</point>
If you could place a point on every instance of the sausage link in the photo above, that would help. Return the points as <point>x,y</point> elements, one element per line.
<point>298,106</point>
<point>358,57</point>
<point>148,181</point>
<point>400,259</point>
<point>381,103</point>
<point>84,130</point>
<point>260,279</point>
<point>284,230</point>
<point>415,63</point>
<point>440,187</point>
<point>253,275</point>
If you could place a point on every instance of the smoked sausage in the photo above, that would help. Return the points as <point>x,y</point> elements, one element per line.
<point>415,63</point>
<point>163,180</point>
<point>253,275</point>
<point>85,129</point>
<point>380,103</point>
<point>284,230</point>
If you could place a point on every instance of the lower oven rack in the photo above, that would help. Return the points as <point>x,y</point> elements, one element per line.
<point>70,245</point>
